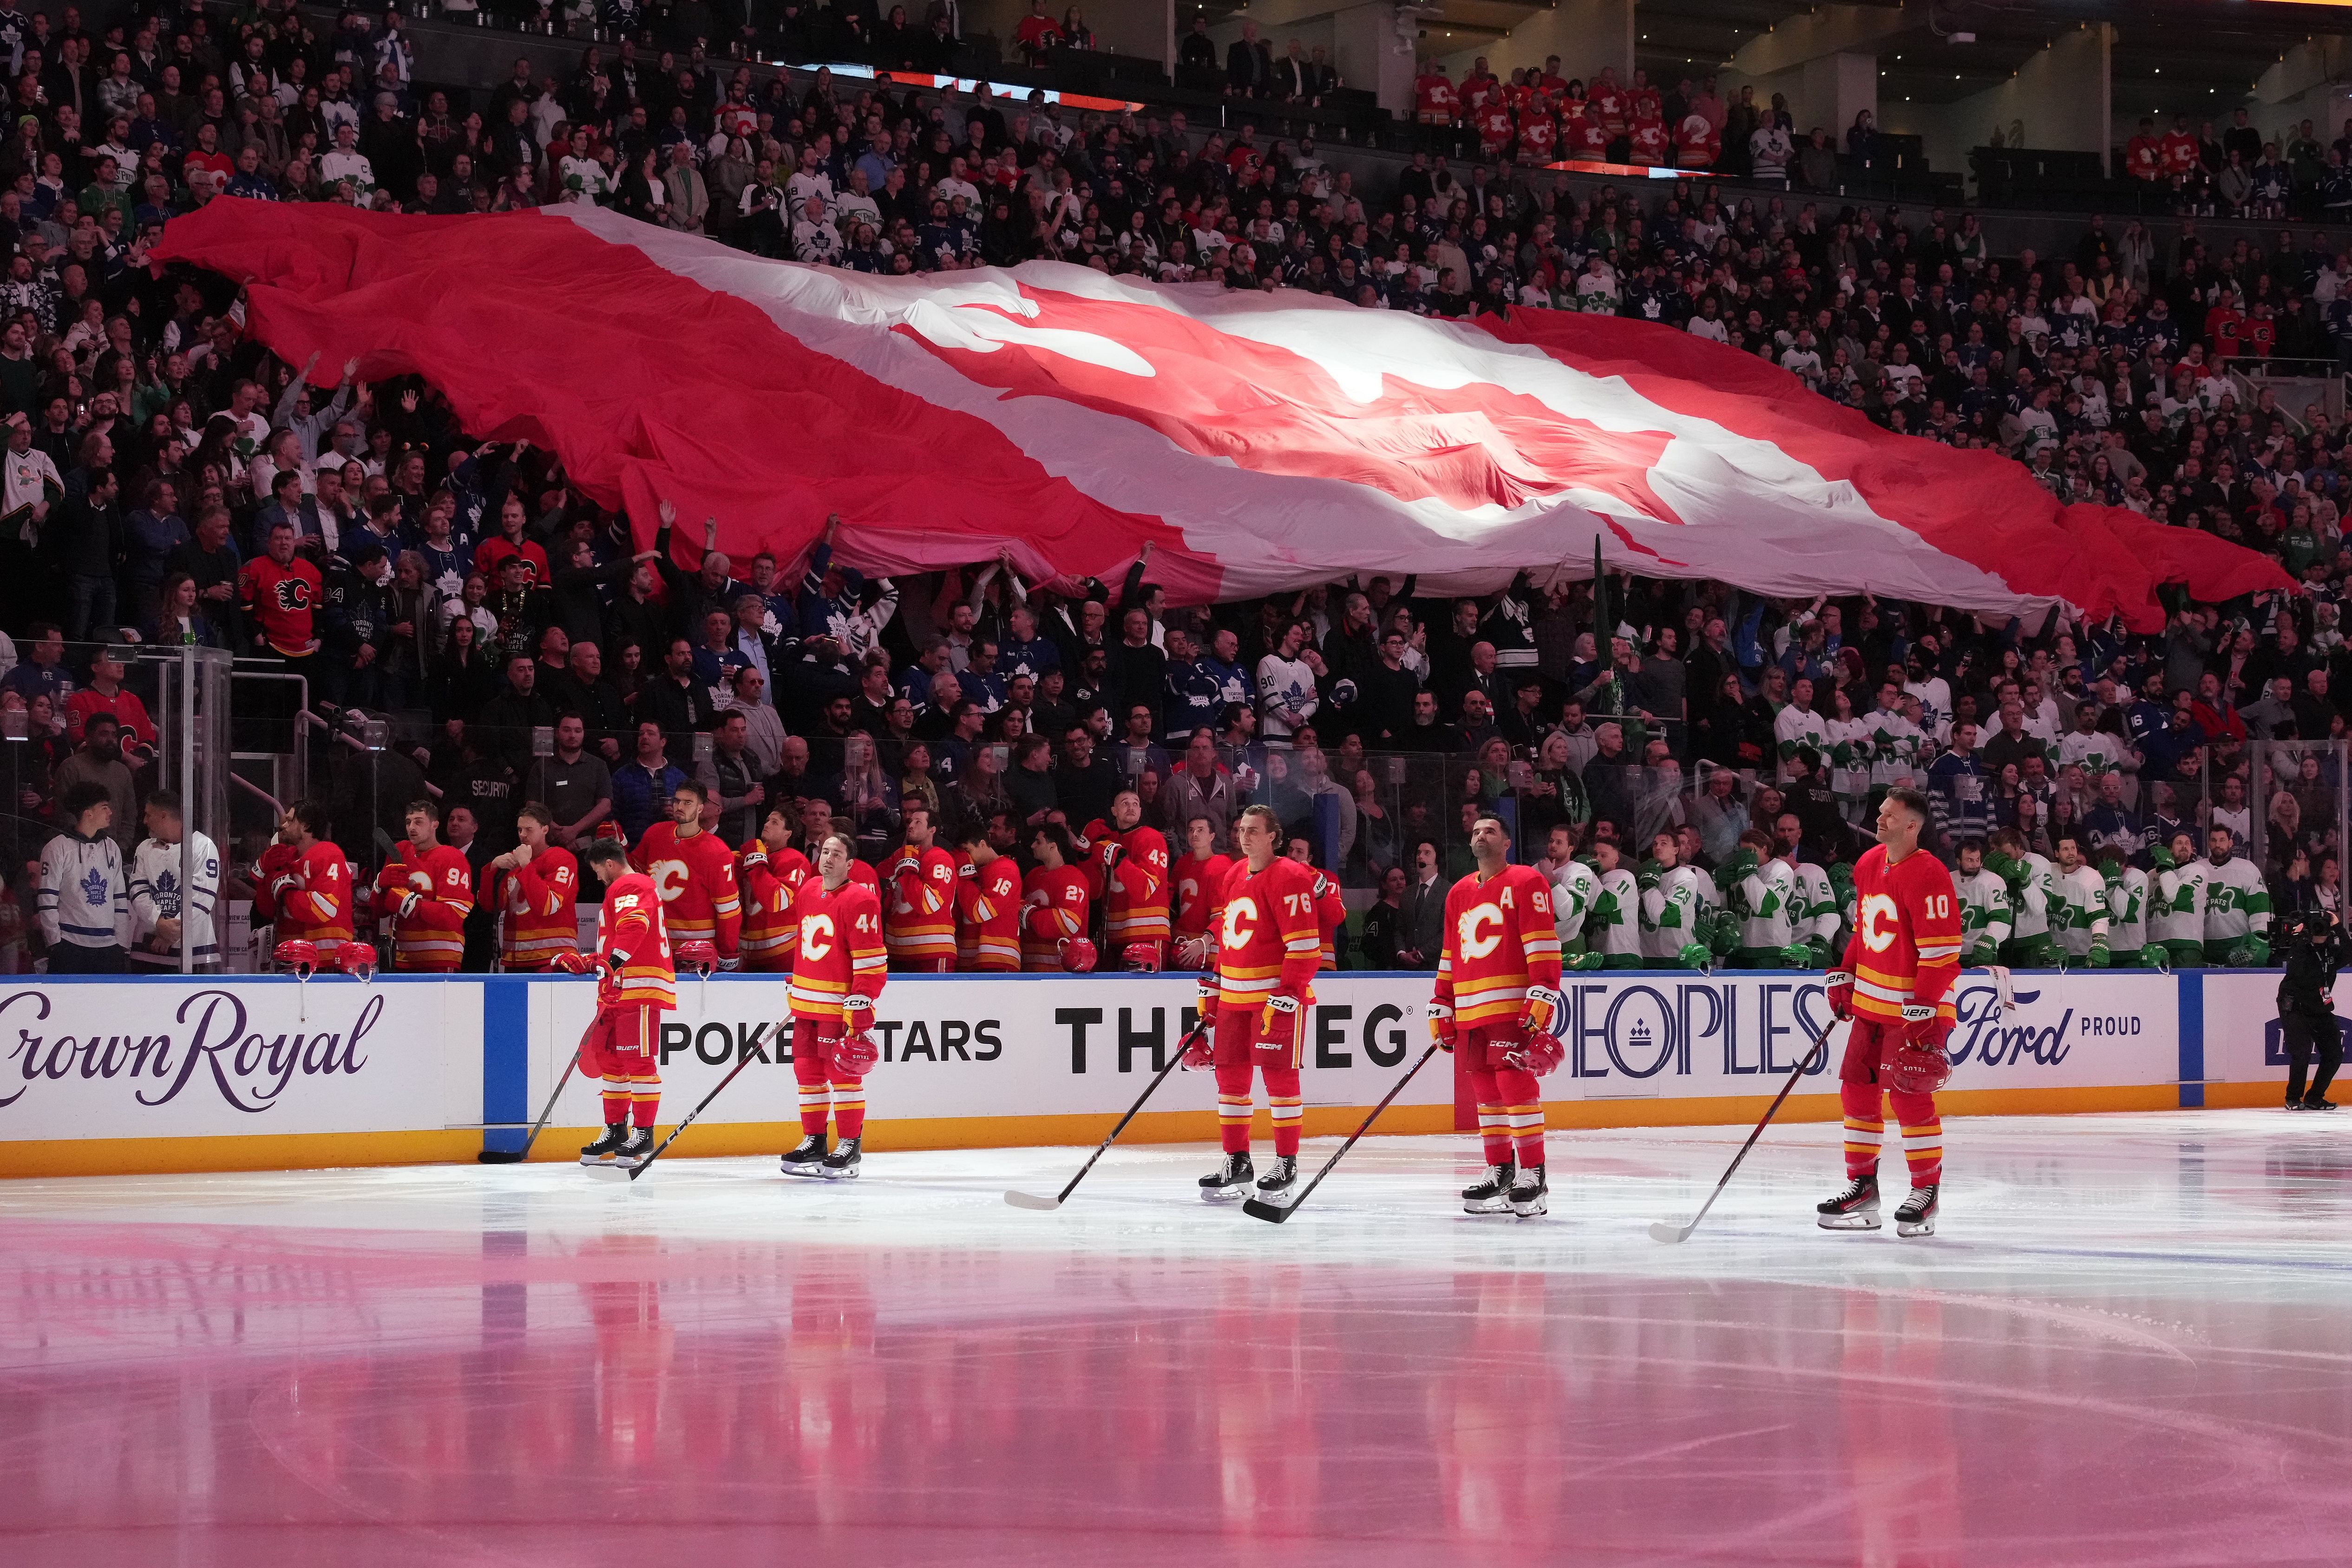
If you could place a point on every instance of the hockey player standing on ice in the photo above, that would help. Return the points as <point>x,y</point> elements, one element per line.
<point>839,966</point>
<point>695,876</point>
<point>1896,986</point>
<point>1498,1006</point>
<point>536,884</point>
<point>1255,1002</point>
<point>2237,907</point>
<point>428,889</point>
<point>1984,908</point>
<point>163,913</point>
<point>304,884</point>
<point>919,925</point>
<point>636,985</point>
<point>2176,911</point>
<point>2079,914</point>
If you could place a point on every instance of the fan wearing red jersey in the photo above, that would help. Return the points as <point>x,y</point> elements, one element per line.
<point>1330,906</point>
<point>1054,900</point>
<point>1497,1008</point>
<point>428,889</point>
<point>695,876</point>
<point>536,884</point>
<point>1196,880</point>
<point>1895,985</point>
<point>304,884</point>
<point>636,984</point>
<point>1255,1002</point>
<point>839,967</point>
<point>767,873</point>
<point>1134,862</point>
<point>1435,98</point>
<point>919,912</point>
<point>987,904</point>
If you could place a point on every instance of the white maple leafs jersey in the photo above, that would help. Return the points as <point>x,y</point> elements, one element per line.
<point>156,894</point>
<point>1575,887</point>
<point>1984,909</point>
<point>1766,899</point>
<point>2127,912</point>
<point>2078,913</point>
<point>1894,746</point>
<point>1817,898</point>
<point>1670,911</point>
<point>2029,906</point>
<point>2237,901</point>
<point>1613,916</point>
<point>2177,914</point>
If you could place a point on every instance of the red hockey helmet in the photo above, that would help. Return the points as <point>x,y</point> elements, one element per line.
<point>1539,1053</point>
<point>856,1055</point>
<point>1141,958</point>
<point>1919,1068</point>
<point>1077,955</point>
<point>298,956</point>
<point>699,956</point>
<point>357,960</point>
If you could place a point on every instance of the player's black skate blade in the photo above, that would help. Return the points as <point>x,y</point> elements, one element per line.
<point>1229,1181</point>
<point>806,1159</point>
<point>1855,1209</point>
<point>843,1162</point>
<point>606,1145</point>
<point>1528,1194</point>
<point>1491,1194</point>
<point>1918,1215</point>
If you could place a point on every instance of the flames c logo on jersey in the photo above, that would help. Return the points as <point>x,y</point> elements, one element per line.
<point>1878,922</point>
<point>1241,922</point>
<point>1476,940</point>
<point>816,935</point>
<point>669,878</point>
<point>291,593</point>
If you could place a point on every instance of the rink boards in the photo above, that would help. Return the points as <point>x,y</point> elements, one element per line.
<point>260,1072</point>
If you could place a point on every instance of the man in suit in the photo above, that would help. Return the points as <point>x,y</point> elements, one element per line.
<point>1424,936</point>
<point>1249,64</point>
<point>1292,77</point>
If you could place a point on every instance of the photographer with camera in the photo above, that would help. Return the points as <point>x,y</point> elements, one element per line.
<point>2313,950</point>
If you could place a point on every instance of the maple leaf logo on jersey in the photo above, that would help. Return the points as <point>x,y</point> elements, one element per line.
<point>93,888</point>
<point>167,894</point>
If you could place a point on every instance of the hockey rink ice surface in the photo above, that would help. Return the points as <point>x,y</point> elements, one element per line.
<point>2130,1344</point>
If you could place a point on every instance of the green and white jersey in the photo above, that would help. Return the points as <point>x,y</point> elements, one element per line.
<point>1894,748</point>
<point>1610,928</point>
<point>2127,912</point>
<point>2029,906</point>
<point>1574,887</point>
<point>2094,754</point>
<point>1796,728</point>
<point>2078,913</point>
<point>1984,908</point>
<point>1817,907</point>
<point>1849,757</point>
<point>2178,912</point>
<point>1670,911</point>
<point>1767,900</point>
<point>2237,901</point>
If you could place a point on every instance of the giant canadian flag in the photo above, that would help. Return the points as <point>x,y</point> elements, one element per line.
<point>1260,441</point>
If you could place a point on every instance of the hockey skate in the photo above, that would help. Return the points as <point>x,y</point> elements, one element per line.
<point>1229,1181</point>
<point>1529,1191</point>
<point>842,1164</point>
<point>1918,1215</point>
<point>1490,1195</point>
<point>2314,1104</point>
<point>602,1151</point>
<point>1279,1178</point>
<point>807,1159</point>
<point>636,1150</point>
<point>1855,1209</point>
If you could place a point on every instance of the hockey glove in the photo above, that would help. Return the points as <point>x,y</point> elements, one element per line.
<point>1925,1025</point>
<point>1980,954</point>
<point>1647,876</point>
<point>1583,963</point>
<point>856,1014</point>
<point>1279,1024</point>
<point>967,871</point>
<point>2099,956</point>
<point>1546,1009</point>
<point>2160,856</point>
<point>1839,988</point>
<point>1819,956</point>
<point>1441,1025</point>
<point>1204,1002</point>
<point>1199,1053</point>
<point>408,902</point>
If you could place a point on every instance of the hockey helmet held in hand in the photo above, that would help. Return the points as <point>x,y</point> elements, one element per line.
<point>856,1055</point>
<point>699,956</point>
<point>1919,1068</point>
<point>297,958</point>
<point>1141,958</point>
<point>1077,955</point>
<point>357,960</point>
<point>1539,1053</point>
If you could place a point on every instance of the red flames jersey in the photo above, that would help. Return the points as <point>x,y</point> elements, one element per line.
<point>2143,158</point>
<point>308,895</point>
<point>634,943</point>
<point>1062,912</point>
<point>1136,890</point>
<point>1696,143</point>
<point>1650,142</point>
<point>837,948</point>
<point>1435,100</point>
<point>540,899</point>
<point>1494,127</point>
<point>283,602</point>
<point>1499,940</point>
<point>1583,136</point>
<point>695,877</point>
<point>1538,134</point>
<point>1197,884</point>
<point>1906,934</point>
<point>2179,153</point>
<point>919,909</point>
<point>766,883</point>
<point>431,937</point>
<point>1330,913</point>
<point>988,903</point>
<point>1268,942</point>
<point>1608,103</point>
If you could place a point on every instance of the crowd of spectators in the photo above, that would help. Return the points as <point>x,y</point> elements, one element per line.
<point>168,481</point>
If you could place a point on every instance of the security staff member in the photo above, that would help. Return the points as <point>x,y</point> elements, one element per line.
<point>2313,952</point>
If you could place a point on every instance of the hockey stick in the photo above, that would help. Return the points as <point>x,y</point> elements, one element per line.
<point>1258,1208</point>
<point>1662,1231</point>
<point>514,1157</point>
<point>1032,1200</point>
<point>631,1173</point>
